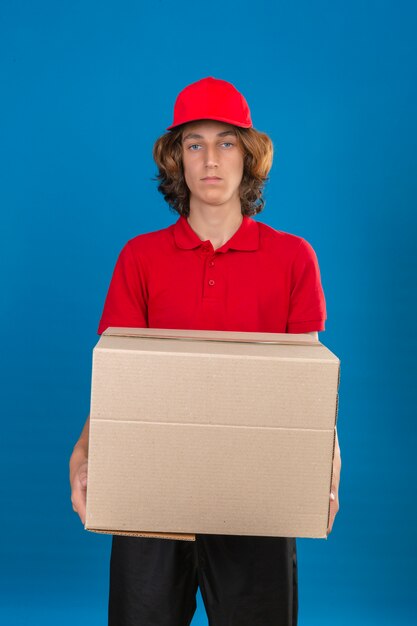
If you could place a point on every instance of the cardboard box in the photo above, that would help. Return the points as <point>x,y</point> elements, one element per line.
<point>211,432</point>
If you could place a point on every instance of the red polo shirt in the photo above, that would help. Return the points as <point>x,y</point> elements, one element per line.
<point>260,280</point>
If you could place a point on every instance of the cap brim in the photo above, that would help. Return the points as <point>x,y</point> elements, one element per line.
<point>216,119</point>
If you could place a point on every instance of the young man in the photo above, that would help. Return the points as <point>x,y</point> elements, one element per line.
<point>214,268</point>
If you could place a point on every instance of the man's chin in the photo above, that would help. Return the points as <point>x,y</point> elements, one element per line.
<point>214,197</point>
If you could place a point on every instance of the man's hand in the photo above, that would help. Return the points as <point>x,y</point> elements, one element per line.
<point>78,480</point>
<point>334,493</point>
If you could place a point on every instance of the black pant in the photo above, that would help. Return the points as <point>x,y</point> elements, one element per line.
<point>244,580</point>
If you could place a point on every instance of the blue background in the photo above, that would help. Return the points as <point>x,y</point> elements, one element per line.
<point>87,87</point>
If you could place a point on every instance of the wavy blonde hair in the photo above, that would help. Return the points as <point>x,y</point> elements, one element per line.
<point>258,153</point>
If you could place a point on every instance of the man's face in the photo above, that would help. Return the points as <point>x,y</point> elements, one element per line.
<point>211,149</point>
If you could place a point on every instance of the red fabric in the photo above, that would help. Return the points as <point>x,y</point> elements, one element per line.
<point>211,99</point>
<point>260,280</point>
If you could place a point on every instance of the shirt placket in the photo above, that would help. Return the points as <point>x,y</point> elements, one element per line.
<point>213,277</point>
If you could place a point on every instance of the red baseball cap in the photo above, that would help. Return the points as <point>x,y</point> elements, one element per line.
<point>211,99</point>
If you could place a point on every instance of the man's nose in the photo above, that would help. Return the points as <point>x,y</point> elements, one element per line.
<point>211,157</point>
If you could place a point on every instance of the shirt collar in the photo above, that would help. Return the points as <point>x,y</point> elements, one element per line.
<point>245,238</point>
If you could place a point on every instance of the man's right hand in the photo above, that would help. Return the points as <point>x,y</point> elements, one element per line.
<point>78,480</point>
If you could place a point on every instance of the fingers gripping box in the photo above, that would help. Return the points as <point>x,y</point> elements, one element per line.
<point>211,432</point>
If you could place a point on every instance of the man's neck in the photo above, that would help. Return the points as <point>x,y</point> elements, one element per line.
<point>215,225</point>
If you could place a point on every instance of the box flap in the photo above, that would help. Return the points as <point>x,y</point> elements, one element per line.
<point>131,533</point>
<point>302,339</point>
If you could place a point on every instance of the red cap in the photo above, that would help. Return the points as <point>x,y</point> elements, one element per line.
<point>211,99</point>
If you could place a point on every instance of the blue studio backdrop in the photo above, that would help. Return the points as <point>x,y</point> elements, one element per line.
<point>87,87</point>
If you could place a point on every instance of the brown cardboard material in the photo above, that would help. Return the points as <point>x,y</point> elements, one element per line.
<point>211,432</point>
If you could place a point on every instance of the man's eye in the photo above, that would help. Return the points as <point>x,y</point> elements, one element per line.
<point>198,146</point>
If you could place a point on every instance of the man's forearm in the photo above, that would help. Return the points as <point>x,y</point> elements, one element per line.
<point>81,447</point>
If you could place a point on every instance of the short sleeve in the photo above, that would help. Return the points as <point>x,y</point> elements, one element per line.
<point>307,310</point>
<point>126,300</point>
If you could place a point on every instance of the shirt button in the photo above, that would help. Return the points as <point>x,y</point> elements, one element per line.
<point>211,282</point>
<point>211,263</point>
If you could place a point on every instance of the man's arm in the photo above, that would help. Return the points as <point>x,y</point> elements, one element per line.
<point>78,469</point>
<point>81,447</point>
